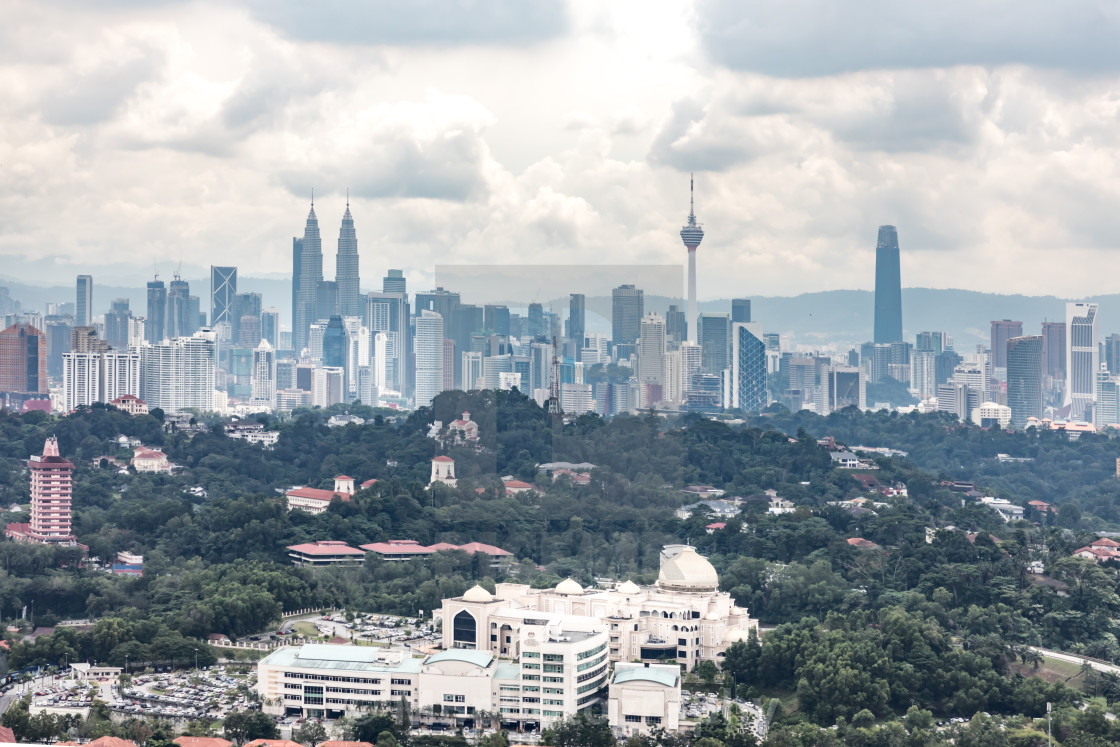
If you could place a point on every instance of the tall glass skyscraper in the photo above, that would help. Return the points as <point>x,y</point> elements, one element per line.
<point>714,336</point>
<point>83,306</point>
<point>350,302</point>
<point>310,277</point>
<point>178,296</point>
<point>223,288</point>
<point>627,310</point>
<point>888,287</point>
<point>748,367</point>
<point>1024,378</point>
<point>155,328</point>
<point>1082,357</point>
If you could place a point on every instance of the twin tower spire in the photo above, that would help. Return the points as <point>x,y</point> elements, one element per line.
<point>314,298</point>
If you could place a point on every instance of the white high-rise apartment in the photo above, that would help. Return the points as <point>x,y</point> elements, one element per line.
<point>673,390</point>
<point>264,373</point>
<point>377,360</point>
<point>327,384</point>
<point>178,374</point>
<point>472,372</point>
<point>120,374</point>
<point>429,357</point>
<point>1082,357</point>
<point>651,356</point>
<point>81,380</point>
<point>692,359</point>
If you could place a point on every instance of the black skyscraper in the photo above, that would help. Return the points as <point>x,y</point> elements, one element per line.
<point>888,287</point>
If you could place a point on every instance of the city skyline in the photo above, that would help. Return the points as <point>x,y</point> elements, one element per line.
<point>981,153</point>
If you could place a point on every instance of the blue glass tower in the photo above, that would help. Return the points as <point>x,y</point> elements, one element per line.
<point>888,287</point>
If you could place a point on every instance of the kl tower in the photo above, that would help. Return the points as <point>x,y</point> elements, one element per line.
<point>692,235</point>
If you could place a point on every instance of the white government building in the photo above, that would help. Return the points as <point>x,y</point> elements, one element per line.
<point>528,657</point>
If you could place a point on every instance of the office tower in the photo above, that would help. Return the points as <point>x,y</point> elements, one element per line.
<point>493,366</point>
<point>51,487</point>
<point>923,373</point>
<point>1111,353</point>
<point>1024,378</point>
<point>676,327</point>
<point>958,398</point>
<point>155,325</point>
<point>740,310</point>
<point>496,319</point>
<point>285,373</point>
<point>178,374</point>
<point>577,323</point>
<point>178,297</point>
<point>691,234</point>
<point>748,367</point>
<point>888,287</point>
<point>248,331</point>
<point>270,327</point>
<point>651,356</point>
<point>536,321</point>
<point>1054,350</point>
<point>388,313</point>
<point>81,376</point>
<point>23,360</point>
<point>223,289</point>
<point>243,305</point>
<point>847,387</point>
<point>714,336</point>
<point>443,302</point>
<point>314,349</point>
<point>377,361</point>
<point>350,302</point>
<point>326,300</point>
<point>85,340</point>
<point>540,368</point>
<point>310,278</point>
<point>1082,357</point>
<point>472,377</point>
<point>1106,411</point>
<point>116,323</point>
<point>334,343</point>
<point>394,282</point>
<point>196,320</point>
<point>327,386</point>
<point>1002,331</point>
<point>627,310</point>
<point>83,304</point>
<point>264,373</point>
<point>429,357</point>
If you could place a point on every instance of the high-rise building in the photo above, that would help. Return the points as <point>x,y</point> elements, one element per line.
<point>1054,350</point>
<point>888,287</point>
<point>1082,357</point>
<point>51,487</point>
<point>651,357</point>
<point>692,359</point>
<point>577,323</point>
<point>429,357</point>
<point>691,234</point>
<point>270,327</point>
<point>496,319</point>
<point>1106,411</point>
<point>85,340</point>
<point>933,342</point>
<point>536,321</point>
<point>676,327</point>
<point>740,310</point>
<point>310,278</point>
<point>326,300</point>
<point>1111,353</point>
<point>715,342</point>
<point>1002,331</point>
<point>178,308</point>
<point>627,310</point>
<point>350,302</point>
<point>23,360</point>
<point>394,282</point>
<point>120,374</point>
<point>116,323</point>
<point>334,343</point>
<point>748,367</point>
<point>472,376</point>
<point>83,305</point>
<point>387,312</point>
<point>264,373</point>
<point>178,374</point>
<point>81,379</point>
<point>297,279</point>
<point>223,289</point>
<point>155,325</point>
<point>1024,378</point>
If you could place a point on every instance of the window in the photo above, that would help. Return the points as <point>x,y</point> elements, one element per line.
<point>682,654</point>
<point>554,657</point>
<point>527,665</point>
<point>633,719</point>
<point>553,701</point>
<point>553,679</point>
<point>682,641</point>
<point>533,677</point>
<point>400,682</point>
<point>530,700</point>
<point>396,693</point>
<point>464,629</point>
<point>653,719</point>
<point>531,655</point>
<point>554,668</point>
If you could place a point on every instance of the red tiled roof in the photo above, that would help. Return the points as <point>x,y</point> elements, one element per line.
<point>150,455</point>
<point>1104,542</point>
<point>272,743</point>
<point>111,742</point>
<point>343,477</point>
<point>398,547</point>
<point>343,743</point>
<point>7,735</point>
<point>473,547</point>
<point>134,398</point>
<point>518,485</point>
<point>442,458</point>
<point>316,494</point>
<point>716,525</point>
<point>367,483</point>
<point>861,542</point>
<point>325,547</point>
<point>201,742</point>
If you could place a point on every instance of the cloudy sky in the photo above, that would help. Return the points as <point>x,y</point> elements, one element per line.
<point>137,135</point>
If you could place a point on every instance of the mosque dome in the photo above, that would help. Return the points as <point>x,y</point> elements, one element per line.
<point>568,587</point>
<point>735,635</point>
<point>687,571</point>
<point>629,587</point>
<point>477,594</point>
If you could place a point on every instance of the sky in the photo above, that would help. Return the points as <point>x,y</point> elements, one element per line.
<point>141,136</point>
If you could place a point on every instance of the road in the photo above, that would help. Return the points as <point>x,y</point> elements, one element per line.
<point>20,690</point>
<point>1100,666</point>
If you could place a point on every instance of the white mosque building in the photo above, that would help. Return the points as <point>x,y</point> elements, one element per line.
<point>683,618</point>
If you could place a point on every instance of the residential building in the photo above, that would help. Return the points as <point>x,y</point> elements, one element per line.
<point>264,373</point>
<point>178,374</point>
<point>51,491</point>
<point>429,357</point>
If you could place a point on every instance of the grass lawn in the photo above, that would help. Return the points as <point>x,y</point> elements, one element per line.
<point>1051,670</point>
<point>306,629</point>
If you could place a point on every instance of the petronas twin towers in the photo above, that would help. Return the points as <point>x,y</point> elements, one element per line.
<point>314,298</point>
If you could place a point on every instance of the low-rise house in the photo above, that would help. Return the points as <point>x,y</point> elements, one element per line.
<point>844,459</point>
<point>514,487</point>
<point>1007,510</point>
<point>253,433</point>
<point>1099,550</point>
<point>317,500</point>
<point>719,508</point>
<point>146,459</point>
<point>325,552</point>
<point>131,404</point>
<point>862,544</point>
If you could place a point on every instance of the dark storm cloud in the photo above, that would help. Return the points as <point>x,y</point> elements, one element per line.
<point>95,97</point>
<point>798,38</point>
<point>415,21</point>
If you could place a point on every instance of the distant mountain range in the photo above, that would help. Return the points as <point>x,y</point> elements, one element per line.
<point>840,317</point>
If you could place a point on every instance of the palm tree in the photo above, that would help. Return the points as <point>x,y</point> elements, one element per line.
<point>1032,657</point>
<point>1110,682</point>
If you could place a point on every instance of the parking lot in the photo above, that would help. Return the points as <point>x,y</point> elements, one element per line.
<point>188,695</point>
<point>381,630</point>
<point>698,706</point>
